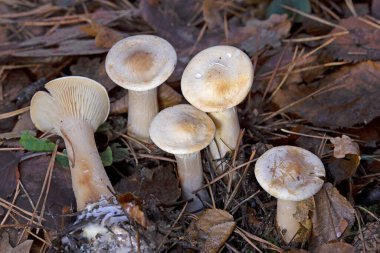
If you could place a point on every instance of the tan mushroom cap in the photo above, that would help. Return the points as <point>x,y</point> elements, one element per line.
<point>217,78</point>
<point>141,62</point>
<point>290,173</point>
<point>182,129</point>
<point>69,98</point>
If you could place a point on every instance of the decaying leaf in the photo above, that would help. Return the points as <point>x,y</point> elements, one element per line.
<point>211,229</point>
<point>361,42</point>
<point>303,215</point>
<point>343,146</point>
<point>368,238</point>
<point>104,36</point>
<point>344,98</point>
<point>332,217</point>
<point>335,247</point>
<point>157,183</point>
<point>8,171</point>
<point>132,207</point>
<point>5,247</point>
<point>346,158</point>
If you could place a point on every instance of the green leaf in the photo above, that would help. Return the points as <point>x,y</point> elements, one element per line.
<point>31,143</point>
<point>106,156</point>
<point>276,8</point>
<point>118,152</point>
<point>62,159</point>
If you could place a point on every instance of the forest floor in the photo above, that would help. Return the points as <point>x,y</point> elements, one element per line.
<point>316,86</point>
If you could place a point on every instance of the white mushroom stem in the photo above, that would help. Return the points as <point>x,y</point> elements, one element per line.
<point>89,178</point>
<point>226,136</point>
<point>189,167</point>
<point>142,107</point>
<point>285,219</point>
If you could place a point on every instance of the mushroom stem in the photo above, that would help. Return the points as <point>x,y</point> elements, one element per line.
<point>89,179</point>
<point>142,107</point>
<point>189,167</point>
<point>285,218</point>
<point>226,136</point>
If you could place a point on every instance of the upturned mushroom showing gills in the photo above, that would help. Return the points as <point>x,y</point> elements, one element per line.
<point>73,108</point>
<point>290,174</point>
<point>215,81</point>
<point>184,131</point>
<point>141,63</point>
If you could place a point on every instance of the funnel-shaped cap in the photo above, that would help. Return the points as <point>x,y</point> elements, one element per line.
<point>141,62</point>
<point>69,98</point>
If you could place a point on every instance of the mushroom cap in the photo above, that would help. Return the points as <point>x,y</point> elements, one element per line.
<point>290,173</point>
<point>182,129</point>
<point>217,78</point>
<point>141,62</point>
<point>69,98</point>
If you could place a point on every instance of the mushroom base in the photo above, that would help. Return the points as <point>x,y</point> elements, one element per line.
<point>226,136</point>
<point>286,222</point>
<point>190,173</point>
<point>142,107</point>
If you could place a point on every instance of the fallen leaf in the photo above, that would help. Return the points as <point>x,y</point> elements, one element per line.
<point>360,44</point>
<point>335,247</point>
<point>371,234</point>
<point>212,14</point>
<point>343,168</point>
<point>161,184</point>
<point>211,229</point>
<point>104,36</point>
<point>302,215</point>
<point>333,216</point>
<point>9,172</point>
<point>32,143</point>
<point>5,247</point>
<point>343,146</point>
<point>93,68</point>
<point>349,96</point>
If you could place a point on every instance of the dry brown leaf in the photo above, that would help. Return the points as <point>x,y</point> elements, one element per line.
<point>349,96</point>
<point>157,183</point>
<point>360,44</point>
<point>335,247</point>
<point>212,14</point>
<point>9,172</point>
<point>342,169</point>
<point>211,230</point>
<point>5,247</point>
<point>94,69</point>
<point>302,215</point>
<point>105,37</point>
<point>332,217</point>
<point>343,146</point>
<point>371,235</point>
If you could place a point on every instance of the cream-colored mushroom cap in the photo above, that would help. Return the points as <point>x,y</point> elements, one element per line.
<point>68,98</point>
<point>182,129</point>
<point>217,78</point>
<point>141,62</point>
<point>290,173</point>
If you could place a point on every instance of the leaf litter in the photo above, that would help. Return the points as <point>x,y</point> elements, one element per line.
<point>310,87</point>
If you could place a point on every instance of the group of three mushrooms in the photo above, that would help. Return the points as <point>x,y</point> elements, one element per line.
<point>215,81</point>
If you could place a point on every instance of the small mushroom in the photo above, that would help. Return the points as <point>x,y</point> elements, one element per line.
<point>290,174</point>
<point>73,108</point>
<point>215,81</point>
<point>141,63</point>
<point>184,131</point>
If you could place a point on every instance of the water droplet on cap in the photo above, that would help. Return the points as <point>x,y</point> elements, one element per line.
<point>197,75</point>
<point>229,55</point>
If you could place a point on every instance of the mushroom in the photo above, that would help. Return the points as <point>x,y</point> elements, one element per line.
<point>290,174</point>
<point>141,63</point>
<point>73,108</point>
<point>215,81</point>
<point>184,131</point>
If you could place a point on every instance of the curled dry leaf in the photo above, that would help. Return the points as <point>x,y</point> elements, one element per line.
<point>343,146</point>
<point>167,97</point>
<point>5,247</point>
<point>361,42</point>
<point>371,241</point>
<point>211,230</point>
<point>335,247</point>
<point>332,217</point>
<point>158,183</point>
<point>343,98</point>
